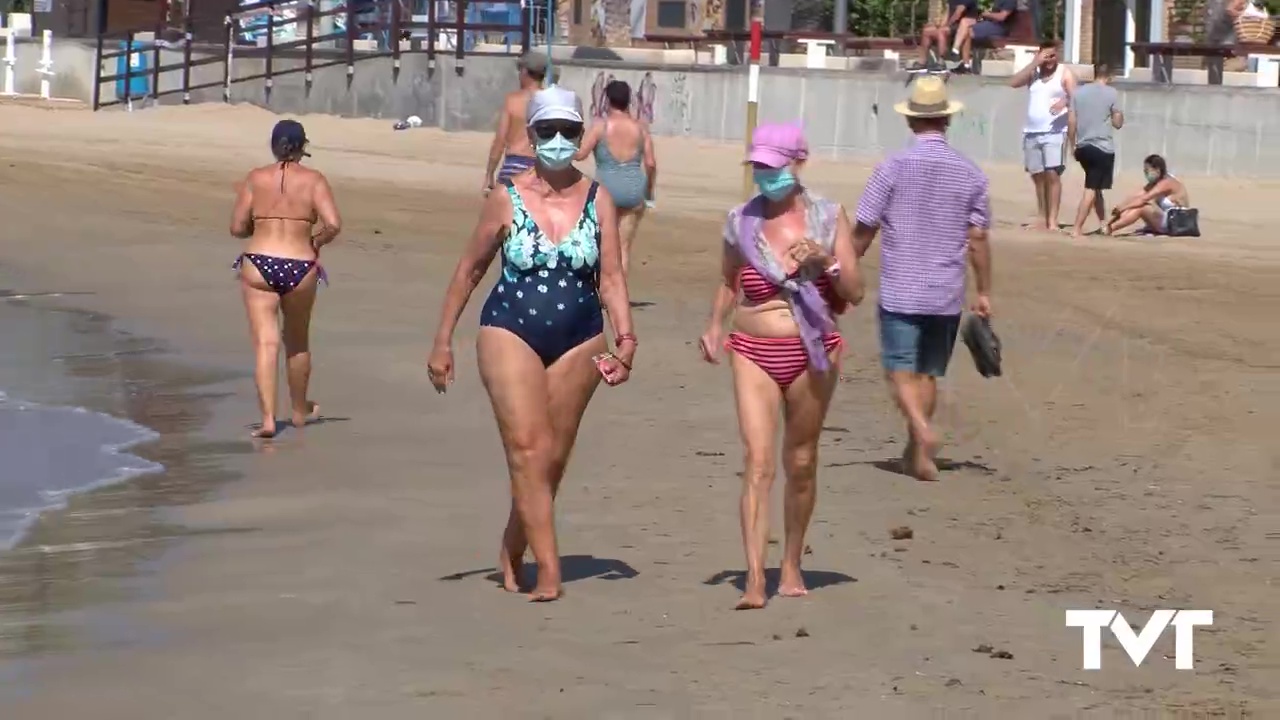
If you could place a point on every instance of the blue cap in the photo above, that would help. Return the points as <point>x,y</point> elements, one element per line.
<point>289,133</point>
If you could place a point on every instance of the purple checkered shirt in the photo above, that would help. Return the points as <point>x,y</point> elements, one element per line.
<point>924,200</point>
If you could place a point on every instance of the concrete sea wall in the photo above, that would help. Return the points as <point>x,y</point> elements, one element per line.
<point>1210,130</point>
<point>1201,129</point>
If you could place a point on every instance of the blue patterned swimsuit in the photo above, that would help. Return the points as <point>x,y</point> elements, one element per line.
<point>547,293</point>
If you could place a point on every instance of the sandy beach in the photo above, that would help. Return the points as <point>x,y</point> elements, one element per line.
<point>1126,461</point>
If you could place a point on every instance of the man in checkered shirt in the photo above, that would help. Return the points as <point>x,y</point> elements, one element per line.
<point>931,206</point>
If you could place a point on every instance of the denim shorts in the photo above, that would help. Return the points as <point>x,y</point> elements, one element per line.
<point>917,343</point>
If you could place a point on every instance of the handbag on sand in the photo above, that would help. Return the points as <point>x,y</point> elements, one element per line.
<point>1183,222</point>
<point>983,345</point>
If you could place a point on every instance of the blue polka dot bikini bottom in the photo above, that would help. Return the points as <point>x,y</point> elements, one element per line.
<point>281,274</point>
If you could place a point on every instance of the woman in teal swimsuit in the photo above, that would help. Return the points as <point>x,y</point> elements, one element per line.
<point>625,164</point>
<point>541,346</point>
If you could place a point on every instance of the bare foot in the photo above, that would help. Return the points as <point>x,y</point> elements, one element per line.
<point>792,584</point>
<point>312,414</point>
<point>266,431</point>
<point>754,597</point>
<point>511,572</point>
<point>930,443</point>
<point>541,594</point>
<point>924,470</point>
<point>922,464</point>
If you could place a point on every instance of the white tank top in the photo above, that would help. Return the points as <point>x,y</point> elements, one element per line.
<point>1042,94</point>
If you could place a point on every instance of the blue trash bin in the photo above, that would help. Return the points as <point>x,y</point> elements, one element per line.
<point>140,80</point>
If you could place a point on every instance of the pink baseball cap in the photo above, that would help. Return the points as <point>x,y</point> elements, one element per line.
<point>777,145</point>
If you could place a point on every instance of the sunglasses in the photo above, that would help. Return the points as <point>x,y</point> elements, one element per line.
<point>551,128</point>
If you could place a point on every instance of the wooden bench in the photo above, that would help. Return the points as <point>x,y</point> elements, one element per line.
<point>889,48</point>
<point>1163,53</point>
<point>719,50</point>
<point>1264,58</point>
<point>689,40</point>
<point>816,43</point>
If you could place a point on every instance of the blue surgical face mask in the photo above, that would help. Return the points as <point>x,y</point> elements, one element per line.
<point>774,183</point>
<point>556,153</point>
<point>1152,176</point>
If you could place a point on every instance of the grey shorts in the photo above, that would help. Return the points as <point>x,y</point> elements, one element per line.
<point>1043,151</point>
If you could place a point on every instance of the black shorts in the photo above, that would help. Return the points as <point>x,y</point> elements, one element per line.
<point>1099,167</point>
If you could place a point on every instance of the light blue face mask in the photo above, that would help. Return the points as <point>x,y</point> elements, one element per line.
<point>774,183</point>
<point>556,153</point>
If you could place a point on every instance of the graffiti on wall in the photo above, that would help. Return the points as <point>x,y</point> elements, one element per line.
<point>694,8</point>
<point>969,126</point>
<point>642,97</point>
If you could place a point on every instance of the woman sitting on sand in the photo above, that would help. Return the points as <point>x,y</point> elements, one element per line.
<point>629,181</point>
<point>1162,193</point>
<point>541,346</point>
<point>276,207</point>
<point>789,266</point>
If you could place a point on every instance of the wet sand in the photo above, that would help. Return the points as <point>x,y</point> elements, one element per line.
<point>1126,461</point>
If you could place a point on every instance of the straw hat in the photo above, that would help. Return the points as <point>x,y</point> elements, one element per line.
<point>929,100</point>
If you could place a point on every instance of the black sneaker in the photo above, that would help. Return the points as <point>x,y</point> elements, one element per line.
<point>917,66</point>
<point>962,69</point>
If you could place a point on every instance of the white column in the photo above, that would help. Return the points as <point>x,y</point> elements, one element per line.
<point>1071,39</point>
<point>45,67</point>
<point>1157,21</point>
<point>10,61</point>
<point>1130,34</point>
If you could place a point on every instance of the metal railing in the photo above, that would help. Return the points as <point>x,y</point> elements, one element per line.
<point>390,32</point>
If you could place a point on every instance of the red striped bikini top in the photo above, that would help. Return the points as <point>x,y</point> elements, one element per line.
<point>757,288</point>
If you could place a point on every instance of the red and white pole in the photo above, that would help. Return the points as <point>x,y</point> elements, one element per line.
<point>753,87</point>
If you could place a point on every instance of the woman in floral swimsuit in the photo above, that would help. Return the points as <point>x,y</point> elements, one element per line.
<point>541,346</point>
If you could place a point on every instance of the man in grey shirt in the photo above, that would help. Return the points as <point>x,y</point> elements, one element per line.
<point>1090,123</point>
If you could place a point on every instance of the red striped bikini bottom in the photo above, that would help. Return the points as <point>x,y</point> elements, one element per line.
<point>783,359</point>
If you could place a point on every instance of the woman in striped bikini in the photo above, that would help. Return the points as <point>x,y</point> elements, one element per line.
<point>789,268</point>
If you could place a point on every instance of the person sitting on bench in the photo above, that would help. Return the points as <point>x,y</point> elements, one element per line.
<point>996,24</point>
<point>1162,193</point>
<point>961,16</point>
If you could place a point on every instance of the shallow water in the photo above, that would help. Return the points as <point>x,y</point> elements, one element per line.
<point>51,452</point>
<point>50,448</point>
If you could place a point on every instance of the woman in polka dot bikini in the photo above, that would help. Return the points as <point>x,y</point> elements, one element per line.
<point>283,269</point>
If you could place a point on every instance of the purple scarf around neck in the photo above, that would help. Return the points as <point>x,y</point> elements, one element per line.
<point>807,306</point>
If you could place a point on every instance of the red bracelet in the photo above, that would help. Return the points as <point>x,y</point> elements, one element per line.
<point>618,340</point>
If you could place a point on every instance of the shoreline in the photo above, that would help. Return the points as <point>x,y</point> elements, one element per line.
<point>70,557</point>
<point>122,450</point>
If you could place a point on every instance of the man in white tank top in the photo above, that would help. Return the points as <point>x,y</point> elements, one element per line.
<point>1044,136</point>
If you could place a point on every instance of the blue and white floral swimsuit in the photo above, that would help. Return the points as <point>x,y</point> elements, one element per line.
<point>547,293</point>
